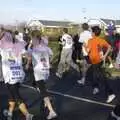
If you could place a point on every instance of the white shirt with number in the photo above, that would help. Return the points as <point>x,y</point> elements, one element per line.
<point>40,60</point>
<point>67,41</point>
<point>12,66</point>
<point>84,37</point>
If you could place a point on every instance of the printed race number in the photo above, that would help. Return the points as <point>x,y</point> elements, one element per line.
<point>15,73</point>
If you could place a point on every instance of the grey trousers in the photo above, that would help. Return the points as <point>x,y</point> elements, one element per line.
<point>84,67</point>
<point>66,61</point>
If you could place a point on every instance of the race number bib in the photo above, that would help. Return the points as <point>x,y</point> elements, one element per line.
<point>12,66</point>
<point>69,41</point>
<point>15,72</point>
<point>43,62</point>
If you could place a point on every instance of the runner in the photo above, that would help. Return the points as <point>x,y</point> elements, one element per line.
<point>117,52</point>
<point>60,47</point>
<point>115,114</point>
<point>84,37</point>
<point>13,73</point>
<point>76,49</point>
<point>117,62</point>
<point>109,57</point>
<point>66,55</point>
<point>40,59</point>
<point>96,56</point>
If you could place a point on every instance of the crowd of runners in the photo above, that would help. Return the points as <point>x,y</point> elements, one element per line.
<point>86,53</point>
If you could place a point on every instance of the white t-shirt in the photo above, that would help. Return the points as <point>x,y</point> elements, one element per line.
<point>12,66</point>
<point>84,37</point>
<point>67,41</point>
<point>40,60</point>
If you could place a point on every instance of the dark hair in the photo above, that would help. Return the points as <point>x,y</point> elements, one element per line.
<point>16,32</point>
<point>13,36</point>
<point>96,30</point>
<point>85,26</point>
<point>65,30</point>
<point>24,29</point>
<point>117,36</point>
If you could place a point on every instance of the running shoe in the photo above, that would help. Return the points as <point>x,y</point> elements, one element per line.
<point>51,115</point>
<point>110,98</point>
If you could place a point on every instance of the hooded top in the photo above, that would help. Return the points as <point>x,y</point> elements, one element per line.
<point>7,42</point>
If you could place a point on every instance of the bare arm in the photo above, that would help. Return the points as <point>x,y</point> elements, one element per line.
<point>104,43</point>
<point>1,35</point>
<point>107,52</point>
<point>86,48</point>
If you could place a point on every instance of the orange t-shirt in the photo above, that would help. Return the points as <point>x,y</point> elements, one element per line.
<point>95,46</point>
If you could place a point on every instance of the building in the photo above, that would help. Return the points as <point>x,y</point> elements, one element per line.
<point>104,23</point>
<point>50,26</point>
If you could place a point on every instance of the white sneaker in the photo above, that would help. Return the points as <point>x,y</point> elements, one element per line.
<point>95,91</point>
<point>82,81</point>
<point>29,117</point>
<point>7,114</point>
<point>38,89</point>
<point>58,75</point>
<point>9,117</point>
<point>110,98</point>
<point>51,115</point>
<point>115,116</point>
<point>111,66</point>
<point>78,61</point>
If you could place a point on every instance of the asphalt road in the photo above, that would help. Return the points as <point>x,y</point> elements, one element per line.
<point>71,101</point>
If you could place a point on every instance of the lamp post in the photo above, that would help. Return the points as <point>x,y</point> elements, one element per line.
<point>16,24</point>
<point>84,16</point>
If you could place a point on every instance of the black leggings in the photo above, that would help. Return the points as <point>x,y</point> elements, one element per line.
<point>77,52</point>
<point>97,75</point>
<point>43,90</point>
<point>14,94</point>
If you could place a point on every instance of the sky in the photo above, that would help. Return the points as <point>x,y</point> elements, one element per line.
<point>14,11</point>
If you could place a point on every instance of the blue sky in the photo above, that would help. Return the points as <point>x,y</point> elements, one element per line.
<point>19,10</point>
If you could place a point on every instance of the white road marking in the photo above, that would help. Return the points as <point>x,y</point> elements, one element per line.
<point>72,97</point>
